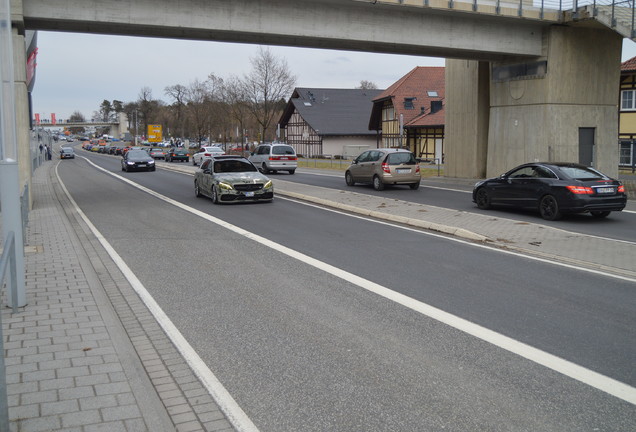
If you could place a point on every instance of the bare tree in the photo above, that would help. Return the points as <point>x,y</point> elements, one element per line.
<point>198,97</point>
<point>178,93</point>
<point>269,81</point>
<point>234,102</point>
<point>367,85</point>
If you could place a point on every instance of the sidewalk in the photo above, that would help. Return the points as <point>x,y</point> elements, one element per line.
<point>86,355</point>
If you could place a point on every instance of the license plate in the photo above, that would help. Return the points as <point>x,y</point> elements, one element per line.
<point>403,170</point>
<point>141,165</point>
<point>249,194</point>
<point>284,158</point>
<point>605,190</point>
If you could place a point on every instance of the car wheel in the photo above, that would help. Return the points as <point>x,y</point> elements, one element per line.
<point>197,191</point>
<point>153,168</point>
<point>264,169</point>
<point>292,171</point>
<point>215,195</point>
<point>377,183</point>
<point>600,214</point>
<point>482,199</point>
<point>122,168</point>
<point>415,186</point>
<point>193,162</point>
<point>349,179</point>
<point>549,208</point>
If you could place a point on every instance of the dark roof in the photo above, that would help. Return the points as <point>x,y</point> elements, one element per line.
<point>416,86</point>
<point>332,111</point>
<point>629,65</point>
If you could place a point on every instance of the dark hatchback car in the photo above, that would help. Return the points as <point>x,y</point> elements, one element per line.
<point>67,153</point>
<point>553,189</point>
<point>177,154</point>
<point>137,160</point>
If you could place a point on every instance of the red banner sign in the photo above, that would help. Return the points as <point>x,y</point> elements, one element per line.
<point>53,118</point>
<point>37,118</point>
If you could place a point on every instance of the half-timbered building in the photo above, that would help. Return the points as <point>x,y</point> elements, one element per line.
<point>410,113</point>
<point>329,122</point>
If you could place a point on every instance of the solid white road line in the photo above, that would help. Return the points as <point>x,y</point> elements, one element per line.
<point>236,416</point>
<point>565,367</point>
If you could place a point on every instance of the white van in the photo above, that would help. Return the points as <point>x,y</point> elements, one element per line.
<point>274,157</point>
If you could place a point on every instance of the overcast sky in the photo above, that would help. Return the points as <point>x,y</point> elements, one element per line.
<point>76,72</point>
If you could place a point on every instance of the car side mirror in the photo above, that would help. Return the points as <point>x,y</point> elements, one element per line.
<point>354,162</point>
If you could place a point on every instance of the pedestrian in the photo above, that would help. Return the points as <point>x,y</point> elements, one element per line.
<point>41,148</point>
<point>48,152</point>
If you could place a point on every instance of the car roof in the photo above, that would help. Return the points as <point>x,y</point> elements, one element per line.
<point>226,156</point>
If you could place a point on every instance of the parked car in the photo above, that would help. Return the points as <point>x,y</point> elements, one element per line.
<point>229,178</point>
<point>135,160</point>
<point>157,153</point>
<point>206,152</point>
<point>385,166</point>
<point>177,153</point>
<point>67,153</point>
<point>553,189</point>
<point>274,157</point>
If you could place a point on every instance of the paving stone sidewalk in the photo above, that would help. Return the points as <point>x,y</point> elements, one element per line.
<point>85,354</point>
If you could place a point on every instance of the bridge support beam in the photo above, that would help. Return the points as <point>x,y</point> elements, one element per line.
<point>537,108</point>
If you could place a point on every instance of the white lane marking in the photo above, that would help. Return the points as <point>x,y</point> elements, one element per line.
<point>565,367</point>
<point>236,416</point>
<point>468,243</point>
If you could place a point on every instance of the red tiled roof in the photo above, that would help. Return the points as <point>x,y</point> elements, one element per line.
<point>416,84</point>
<point>629,65</point>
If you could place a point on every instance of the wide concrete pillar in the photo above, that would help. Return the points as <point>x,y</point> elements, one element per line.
<point>467,110</point>
<point>21,109</point>
<point>537,115</point>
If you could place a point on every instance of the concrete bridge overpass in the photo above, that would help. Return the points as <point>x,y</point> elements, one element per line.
<point>117,128</point>
<point>524,80</point>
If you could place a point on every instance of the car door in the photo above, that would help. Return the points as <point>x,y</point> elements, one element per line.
<point>517,187</point>
<point>206,176</point>
<point>359,167</point>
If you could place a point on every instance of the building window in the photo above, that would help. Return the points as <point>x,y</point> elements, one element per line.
<point>408,103</point>
<point>627,100</point>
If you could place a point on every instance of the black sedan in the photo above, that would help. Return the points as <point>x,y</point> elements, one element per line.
<point>136,160</point>
<point>554,189</point>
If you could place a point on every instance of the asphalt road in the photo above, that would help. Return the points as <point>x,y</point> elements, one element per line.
<point>619,225</point>
<point>302,349</point>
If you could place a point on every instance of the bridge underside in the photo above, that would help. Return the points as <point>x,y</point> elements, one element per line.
<point>332,24</point>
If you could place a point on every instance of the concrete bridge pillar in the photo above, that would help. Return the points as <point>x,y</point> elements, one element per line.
<point>21,109</point>
<point>539,109</point>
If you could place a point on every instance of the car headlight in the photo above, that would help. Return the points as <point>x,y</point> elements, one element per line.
<point>130,163</point>
<point>225,186</point>
<point>268,185</point>
<point>151,162</point>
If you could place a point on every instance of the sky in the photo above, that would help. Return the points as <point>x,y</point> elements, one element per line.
<point>76,72</point>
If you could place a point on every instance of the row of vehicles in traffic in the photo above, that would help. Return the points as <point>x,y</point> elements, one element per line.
<point>552,189</point>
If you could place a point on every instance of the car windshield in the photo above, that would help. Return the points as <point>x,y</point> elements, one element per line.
<point>137,153</point>
<point>229,166</point>
<point>581,173</point>
<point>401,158</point>
<point>282,150</point>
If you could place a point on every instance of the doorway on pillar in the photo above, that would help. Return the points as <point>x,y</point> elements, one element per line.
<point>586,146</point>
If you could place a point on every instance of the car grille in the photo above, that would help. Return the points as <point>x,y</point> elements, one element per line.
<point>248,187</point>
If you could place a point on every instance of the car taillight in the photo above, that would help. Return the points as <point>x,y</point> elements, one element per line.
<point>621,189</point>
<point>580,190</point>
<point>385,168</point>
<point>207,154</point>
<point>417,168</point>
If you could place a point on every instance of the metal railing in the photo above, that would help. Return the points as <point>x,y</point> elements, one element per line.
<point>616,14</point>
<point>8,261</point>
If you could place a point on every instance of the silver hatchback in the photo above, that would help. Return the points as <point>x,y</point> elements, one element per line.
<point>385,166</point>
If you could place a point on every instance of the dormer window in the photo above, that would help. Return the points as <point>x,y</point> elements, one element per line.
<point>408,103</point>
<point>432,93</point>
